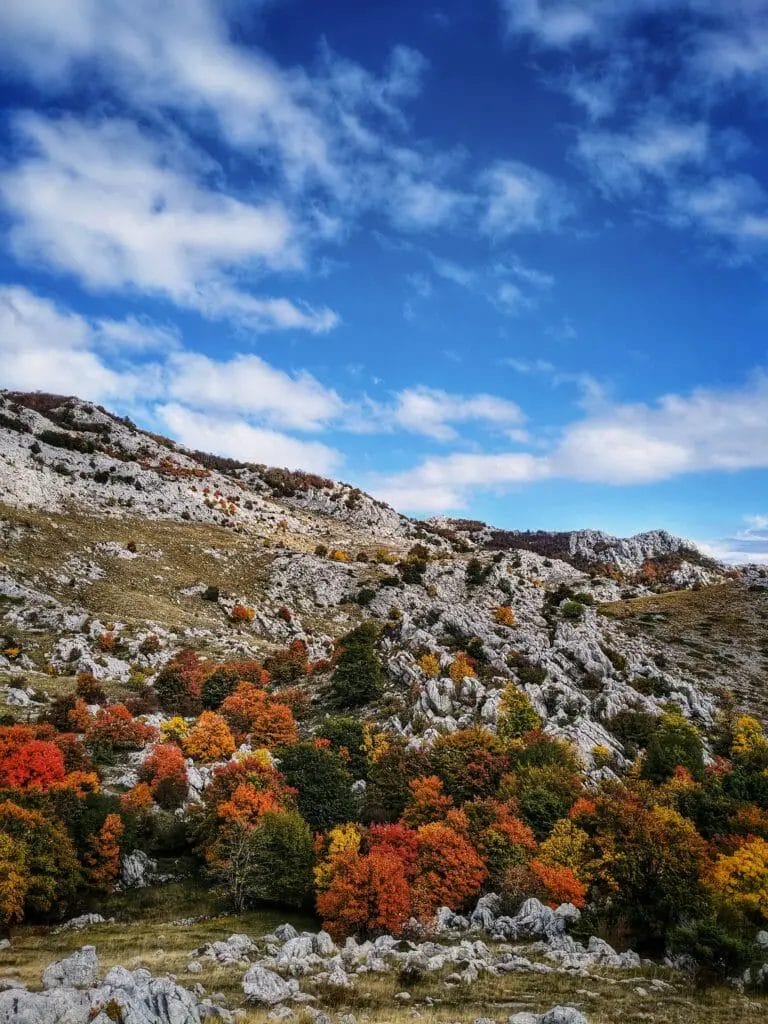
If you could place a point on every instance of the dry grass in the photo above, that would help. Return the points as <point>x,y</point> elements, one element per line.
<point>145,934</point>
<point>715,636</point>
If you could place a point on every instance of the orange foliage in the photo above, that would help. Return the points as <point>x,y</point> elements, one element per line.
<point>210,739</point>
<point>559,883</point>
<point>427,801</point>
<point>449,870</point>
<point>250,711</point>
<point>137,799</point>
<point>242,613</point>
<point>165,774</point>
<point>102,860</point>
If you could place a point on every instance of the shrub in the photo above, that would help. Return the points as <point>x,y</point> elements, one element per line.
<point>288,666</point>
<point>282,858</point>
<point>572,610</point>
<point>224,680</point>
<point>675,741</point>
<point>209,739</point>
<point>242,613</point>
<point>165,773</point>
<point>252,712</point>
<point>36,764</point>
<point>347,737</point>
<point>516,714</point>
<point>323,784</point>
<point>90,689</point>
<point>470,763</point>
<point>179,683</point>
<point>357,676</point>
<point>430,665</point>
<point>337,555</point>
<point>461,666</point>
<point>114,728</point>
<point>505,616</point>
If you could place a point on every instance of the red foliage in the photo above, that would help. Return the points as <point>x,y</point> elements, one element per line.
<point>35,764</point>
<point>115,728</point>
<point>165,773</point>
<point>368,894</point>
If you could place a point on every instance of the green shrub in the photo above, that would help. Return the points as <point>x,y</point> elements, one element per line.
<point>675,741</point>
<point>281,859</point>
<point>323,782</point>
<point>358,676</point>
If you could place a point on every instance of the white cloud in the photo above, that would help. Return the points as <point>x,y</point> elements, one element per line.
<point>238,439</point>
<point>554,24</point>
<point>247,384</point>
<point>620,445</point>
<point>432,413</point>
<point>655,148</point>
<point>733,208</point>
<point>749,544</point>
<point>110,205</point>
<point>43,347</point>
<point>519,198</point>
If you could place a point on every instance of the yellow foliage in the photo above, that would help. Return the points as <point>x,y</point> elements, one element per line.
<point>375,743</point>
<point>505,616</point>
<point>740,879</point>
<point>174,729</point>
<point>210,739</point>
<point>461,666</point>
<point>568,846</point>
<point>430,665</point>
<point>602,755</point>
<point>749,739</point>
<point>337,555</point>
<point>384,556</point>
<point>341,839</point>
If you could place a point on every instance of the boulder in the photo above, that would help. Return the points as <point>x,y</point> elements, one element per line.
<point>79,970</point>
<point>137,870</point>
<point>265,988</point>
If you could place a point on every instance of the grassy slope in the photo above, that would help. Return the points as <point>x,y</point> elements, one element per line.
<point>144,935</point>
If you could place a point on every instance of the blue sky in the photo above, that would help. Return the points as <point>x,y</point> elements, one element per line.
<point>504,259</point>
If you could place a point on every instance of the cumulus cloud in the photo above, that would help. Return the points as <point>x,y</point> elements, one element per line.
<point>748,544</point>
<point>239,439</point>
<point>619,445</point>
<point>248,384</point>
<point>111,205</point>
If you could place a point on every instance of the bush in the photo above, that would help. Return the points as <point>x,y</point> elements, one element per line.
<point>179,682</point>
<point>358,676</point>
<point>323,782</point>
<point>516,714</point>
<point>572,610</point>
<point>242,613</point>
<point>675,741</point>
<point>282,858</point>
<point>347,737</point>
<point>717,952</point>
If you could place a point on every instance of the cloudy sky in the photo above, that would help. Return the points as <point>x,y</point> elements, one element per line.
<point>504,259</point>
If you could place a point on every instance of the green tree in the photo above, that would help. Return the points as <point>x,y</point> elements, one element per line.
<point>358,676</point>
<point>281,860</point>
<point>675,742</point>
<point>323,782</point>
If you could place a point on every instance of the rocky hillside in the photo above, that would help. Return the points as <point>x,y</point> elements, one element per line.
<point>482,753</point>
<point>108,529</point>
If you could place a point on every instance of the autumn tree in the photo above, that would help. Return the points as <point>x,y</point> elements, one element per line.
<point>253,714</point>
<point>368,894</point>
<point>449,871</point>
<point>102,861</point>
<point>179,683</point>
<point>52,868</point>
<point>517,715</point>
<point>675,741</point>
<point>14,879</point>
<point>427,801</point>
<point>164,771</point>
<point>469,762</point>
<point>739,880</point>
<point>210,739</point>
